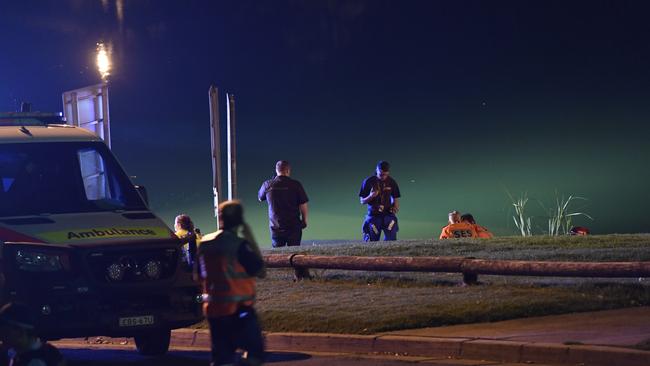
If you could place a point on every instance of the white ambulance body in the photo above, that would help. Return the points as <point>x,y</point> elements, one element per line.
<point>78,242</point>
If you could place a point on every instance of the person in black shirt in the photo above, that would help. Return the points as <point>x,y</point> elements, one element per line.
<point>381,193</point>
<point>287,203</point>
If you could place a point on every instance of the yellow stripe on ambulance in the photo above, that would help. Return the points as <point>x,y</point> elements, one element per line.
<point>107,233</point>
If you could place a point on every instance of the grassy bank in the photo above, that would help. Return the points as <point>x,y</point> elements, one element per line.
<point>371,302</point>
<point>574,248</point>
<point>354,306</point>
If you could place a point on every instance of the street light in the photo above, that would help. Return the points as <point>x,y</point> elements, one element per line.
<point>103,60</point>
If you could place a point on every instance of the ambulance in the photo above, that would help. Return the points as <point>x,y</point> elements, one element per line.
<point>78,243</point>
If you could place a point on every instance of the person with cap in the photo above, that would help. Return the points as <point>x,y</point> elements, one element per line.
<point>457,228</point>
<point>287,203</point>
<point>227,266</point>
<point>381,193</point>
<point>25,348</point>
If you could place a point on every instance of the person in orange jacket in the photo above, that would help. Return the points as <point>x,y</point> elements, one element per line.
<point>227,267</point>
<point>457,228</point>
<point>481,231</point>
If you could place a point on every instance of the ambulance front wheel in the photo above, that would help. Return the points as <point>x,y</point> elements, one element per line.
<point>153,343</point>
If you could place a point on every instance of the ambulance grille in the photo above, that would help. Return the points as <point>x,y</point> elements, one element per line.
<point>133,266</point>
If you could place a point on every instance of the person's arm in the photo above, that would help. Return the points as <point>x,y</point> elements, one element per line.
<point>197,265</point>
<point>395,195</point>
<point>369,197</point>
<point>483,232</point>
<point>304,210</point>
<point>252,262</point>
<point>443,233</point>
<point>395,207</point>
<point>367,191</point>
<point>261,194</point>
<point>255,249</point>
<point>302,203</point>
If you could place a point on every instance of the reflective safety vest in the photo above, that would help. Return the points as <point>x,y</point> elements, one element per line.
<point>226,285</point>
<point>483,232</point>
<point>458,230</point>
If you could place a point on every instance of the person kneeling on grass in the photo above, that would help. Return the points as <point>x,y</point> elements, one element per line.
<point>481,231</point>
<point>457,228</point>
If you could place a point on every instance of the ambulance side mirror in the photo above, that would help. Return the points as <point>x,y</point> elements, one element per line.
<point>142,190</point>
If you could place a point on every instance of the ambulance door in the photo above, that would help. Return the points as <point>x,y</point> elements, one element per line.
<point>88,108</point>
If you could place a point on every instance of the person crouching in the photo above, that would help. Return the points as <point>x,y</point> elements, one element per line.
<point>25,348</point>
<point>457,229</point>
<point>481,231</point>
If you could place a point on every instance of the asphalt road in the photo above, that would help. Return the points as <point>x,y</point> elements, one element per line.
<point>127,357</point>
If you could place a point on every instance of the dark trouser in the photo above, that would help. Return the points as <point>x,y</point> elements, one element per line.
<point>289,237</point>
<point>240,330</point>
<point>374,225</point>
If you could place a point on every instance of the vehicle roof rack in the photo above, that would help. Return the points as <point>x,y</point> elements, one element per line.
<point>30,118</point>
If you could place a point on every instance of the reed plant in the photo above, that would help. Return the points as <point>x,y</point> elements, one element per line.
<point>522,220</point>
<point>560,216</point>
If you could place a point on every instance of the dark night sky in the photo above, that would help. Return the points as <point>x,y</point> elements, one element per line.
<point>466,99</point>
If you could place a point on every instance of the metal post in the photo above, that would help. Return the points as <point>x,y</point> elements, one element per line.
<point>105,120</point>
<point>232,150</point>
<point>74,109</point>
<point>215,136</point>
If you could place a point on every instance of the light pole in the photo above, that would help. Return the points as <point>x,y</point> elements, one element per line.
<point>103,61</point>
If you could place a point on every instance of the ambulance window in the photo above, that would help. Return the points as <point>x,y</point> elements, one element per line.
<point>10,164</point>
<point>99,184</point>
<point>6,183</point>
<point>62,177</point>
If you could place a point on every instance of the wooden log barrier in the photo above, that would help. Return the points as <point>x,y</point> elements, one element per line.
<point>469,267</point>
<point>557,269</point>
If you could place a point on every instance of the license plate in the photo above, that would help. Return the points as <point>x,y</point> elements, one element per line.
<point>136,321</point>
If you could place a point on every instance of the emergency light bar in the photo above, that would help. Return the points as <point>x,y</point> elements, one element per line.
<point>31,119</point>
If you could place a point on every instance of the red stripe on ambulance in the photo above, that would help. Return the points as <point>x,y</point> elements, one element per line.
<point>10,235</point>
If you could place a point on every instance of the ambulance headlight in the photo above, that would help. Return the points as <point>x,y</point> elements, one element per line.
<point>153,269</point>
<point>39,261</point>
<point>116,272</point>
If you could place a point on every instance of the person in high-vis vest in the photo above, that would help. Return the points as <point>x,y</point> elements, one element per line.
<point>227,266</point>
<point>457,228</point>
<point>481,231</point>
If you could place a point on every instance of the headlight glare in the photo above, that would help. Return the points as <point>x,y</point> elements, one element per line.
<point>38,261</point>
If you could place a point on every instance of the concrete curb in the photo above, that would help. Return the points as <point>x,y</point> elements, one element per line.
<point>465,348</point>
<point>438,347</point>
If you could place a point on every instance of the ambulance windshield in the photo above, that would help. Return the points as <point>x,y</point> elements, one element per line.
<point>62,177</point>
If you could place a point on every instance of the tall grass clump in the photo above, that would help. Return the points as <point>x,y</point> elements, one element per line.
<point>522,221</point>
<point>560,216</point>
